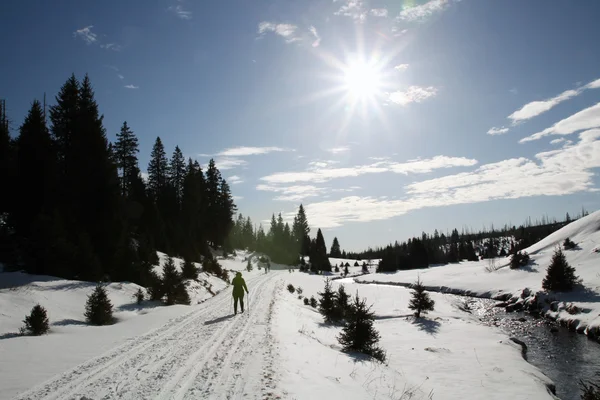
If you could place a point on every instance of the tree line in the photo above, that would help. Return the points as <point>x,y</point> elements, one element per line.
<point>439,248</point>
<point>77,206</point>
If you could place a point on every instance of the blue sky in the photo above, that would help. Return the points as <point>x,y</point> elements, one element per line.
<point>384,118</point>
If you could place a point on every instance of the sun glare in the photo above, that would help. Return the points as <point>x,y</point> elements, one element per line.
<point>362,80</point>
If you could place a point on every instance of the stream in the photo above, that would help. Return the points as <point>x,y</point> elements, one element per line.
<point>562,355</point>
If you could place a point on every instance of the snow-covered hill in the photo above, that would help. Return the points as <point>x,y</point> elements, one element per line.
<point>473,277</point>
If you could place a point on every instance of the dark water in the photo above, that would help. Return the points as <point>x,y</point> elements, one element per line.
<point>562,355</point>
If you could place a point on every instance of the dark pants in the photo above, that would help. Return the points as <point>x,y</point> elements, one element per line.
<point>235,303</point>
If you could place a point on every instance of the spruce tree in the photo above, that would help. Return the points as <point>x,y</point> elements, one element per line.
<point>327,303</point>
<point>171,282</point>
<point>320,258</point>
<point>560,276</point>
<point>98,308</point>
<point>177,173</point>
<point>301,231</point>
<point>157,169</point>
<point>341,302</point>
<point>420,301</point>
<point>37,323</point>
<point>335,248</point>
<point>189,270</point>
<point>125,153</point>
<point>358,333</point>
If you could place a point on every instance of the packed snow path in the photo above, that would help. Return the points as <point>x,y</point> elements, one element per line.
<point>207,353</point>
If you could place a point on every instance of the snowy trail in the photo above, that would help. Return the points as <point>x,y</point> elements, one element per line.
<point>205,353</point>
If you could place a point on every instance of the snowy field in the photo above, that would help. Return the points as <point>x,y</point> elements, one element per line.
<point>472,277</point>
<point>448,355</point>
<point>279,349</point>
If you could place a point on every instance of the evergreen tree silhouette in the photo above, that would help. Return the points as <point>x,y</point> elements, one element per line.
<point>420,301</point>
<point>560,276</point>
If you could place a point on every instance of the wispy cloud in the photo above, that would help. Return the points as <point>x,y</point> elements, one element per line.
<point>292,193</point>
<point>249,151</point>
<point>86,34</point>
<point>131,87</point>
<point>354,9</point>
<point>323,173</point>
<point>401,67</point>
<point>225,163</point>
<point>180,11</point>
<point>414,94</point>
<point>379,12</point>
<point>286,31</point>
<point>236,198</point>
<point>538,107</point>
<point>423,11</point>
<point>234,180</point>
<point>121,77</point>
<point>112,46</point>
<point>585,119</point>
<point>317,40</point>
<point>497,131</point>
<point>338,150</point>
<point>558,172</point>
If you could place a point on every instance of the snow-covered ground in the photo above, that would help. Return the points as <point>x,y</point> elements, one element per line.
<point>279,349</point>
<point>472,277</point>
<point>448,355</point>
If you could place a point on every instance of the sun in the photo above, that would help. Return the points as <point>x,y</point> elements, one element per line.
<point>362,80</point>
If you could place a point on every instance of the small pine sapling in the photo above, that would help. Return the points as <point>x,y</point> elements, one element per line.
<point>420,301</point>
<point>291,288</point>
<point>560,276</point>
<point>313,302</point>
<point>139,296</point>
<point>36,323</point>
<point>568,244</point>
<point>98,308</point>
<point>306,301</point>
<point>327,303</point>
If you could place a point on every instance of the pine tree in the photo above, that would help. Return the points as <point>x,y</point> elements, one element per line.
<point>189,270</point>
<point>172,283</point>
<point>37,323</point>
<point>319,254</point>
<point>125,153</point>
<point>560,276</point>
<point>420,301</point>
<point>98,308</point>
<point>358,333</point>
<point>335,248</point>
<point>327,303</point>
<point>341,302</point>
<point>177,173</point>
<point>157,169</point>
<point>301,231</point>
<point>139,296</point>
<point>213,182</point>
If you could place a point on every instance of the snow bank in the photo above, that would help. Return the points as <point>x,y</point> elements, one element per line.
<point>471,278</point>
<point>448,355</point>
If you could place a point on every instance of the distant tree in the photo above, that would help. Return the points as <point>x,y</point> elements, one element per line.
<point>249,265</point>
<point>313,302</point>
<point>327,303</point>
<point>173,286</point>
<point>365,268</point>
<point>157,169</point>
<point>319,254</point>
<point>341,303</point>
<point>356,264</point>
<point>420,301</point>
<point>139,296</point>
<point>300,232</point>
<point>98,308</point>
<point>346,272</point>
<point>335,248</point>
<point>560,276</point>
<point>125,152</point>
<point>291,288</point>
<point>358,333</point>
<point>177,173</point>
<point>336,268</point>
<point>519,259</point>
<point>37,323</point>
<point>306,301</point>
<point>568,244</point>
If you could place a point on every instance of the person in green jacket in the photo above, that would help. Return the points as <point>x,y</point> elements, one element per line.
<point>239,285</point>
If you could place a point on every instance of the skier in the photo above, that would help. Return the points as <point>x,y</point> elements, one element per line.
<point>239,285</point>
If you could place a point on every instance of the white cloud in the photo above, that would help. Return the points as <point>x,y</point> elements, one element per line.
<point>354,9</point>
<point>536,108</point>
<point>553,173</point>
<point>379,12</point>
<point>236,198</point>
<point>181,12</point>
<point>593,85</point>
<point>234,180</point>
<point>584,119</point>
<point>121,77</point>
<point>420,12</point>
<point>337,150</point>
<point>224,163</point>
<point>317,41</point>
<point>401,67</point>
<point>86,34</point>
<point>286,31</point>
<point>497,131</point>
<point>557,141</point>
<point>292,193</point>
<point>319,173</point>
<point>131,87</point>
<point>414,94</point>
<point>112,46</point>
<point>249,151</point>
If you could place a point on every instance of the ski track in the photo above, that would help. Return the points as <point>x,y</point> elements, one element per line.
<point>205,353</point>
